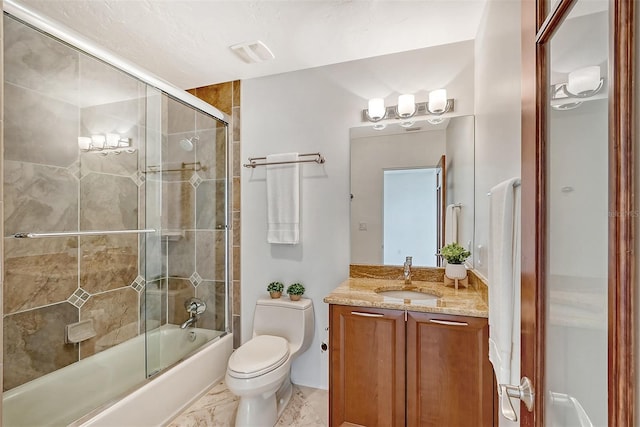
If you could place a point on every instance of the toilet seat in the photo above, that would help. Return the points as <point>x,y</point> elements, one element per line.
<point>258,356</point>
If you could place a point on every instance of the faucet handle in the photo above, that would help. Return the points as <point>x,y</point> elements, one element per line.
<point>195,306</point>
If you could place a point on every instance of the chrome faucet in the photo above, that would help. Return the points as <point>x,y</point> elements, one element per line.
<point>407,271</point>
<point>195,307</point>
<point>190,321</point>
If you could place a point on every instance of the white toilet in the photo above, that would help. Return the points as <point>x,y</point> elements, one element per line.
<point>259,370</point>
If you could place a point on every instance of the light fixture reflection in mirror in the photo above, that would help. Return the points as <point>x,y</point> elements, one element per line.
<point>581,84</point>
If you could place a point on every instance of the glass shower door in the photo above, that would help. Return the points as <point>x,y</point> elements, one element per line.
<point>187,185</point>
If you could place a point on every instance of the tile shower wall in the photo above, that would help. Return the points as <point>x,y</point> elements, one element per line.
<point>50,186</point>
<point>193,204</point>
<point>226,97</point>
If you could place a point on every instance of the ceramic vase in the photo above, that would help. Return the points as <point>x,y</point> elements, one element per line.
<point>455,271</point>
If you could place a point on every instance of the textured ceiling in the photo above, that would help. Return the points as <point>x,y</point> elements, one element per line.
<point>186,42</point>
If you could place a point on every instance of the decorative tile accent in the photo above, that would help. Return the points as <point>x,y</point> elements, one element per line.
<point>79,297</point>
<point>74,169</point>
<point>138,283</point>
<point>195,180</point>
<point>195,279</point>
<point>138,177</point>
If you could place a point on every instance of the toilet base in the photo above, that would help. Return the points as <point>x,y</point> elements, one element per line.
<point>261,410</point>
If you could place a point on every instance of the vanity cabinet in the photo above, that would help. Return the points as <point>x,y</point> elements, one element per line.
<point>449,376</point>
<point>397,368</point>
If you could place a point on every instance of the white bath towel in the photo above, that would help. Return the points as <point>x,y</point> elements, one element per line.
<point>451,224</point>
<point>504,277</point>
<point>283,199</point>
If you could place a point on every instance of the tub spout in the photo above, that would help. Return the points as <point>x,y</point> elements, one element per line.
<point>189,322</point>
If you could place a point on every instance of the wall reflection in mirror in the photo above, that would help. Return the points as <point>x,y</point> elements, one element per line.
<point>405,183</point>
<point>575,386</point>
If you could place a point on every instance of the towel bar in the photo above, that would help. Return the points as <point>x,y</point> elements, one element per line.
<point>318,159</point>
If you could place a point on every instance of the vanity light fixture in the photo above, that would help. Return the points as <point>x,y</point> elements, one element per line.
<point>110,143</point>
<point>581,84</point>
<point>407,109</point>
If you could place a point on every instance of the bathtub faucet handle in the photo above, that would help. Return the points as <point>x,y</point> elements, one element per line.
<point>195,306</point>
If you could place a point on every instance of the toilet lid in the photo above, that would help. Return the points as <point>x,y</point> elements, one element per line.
<point>259,355</point>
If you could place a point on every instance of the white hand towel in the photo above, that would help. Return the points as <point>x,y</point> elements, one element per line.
<point>451,225</point>
<point>283,199</point>
<point>504,230</point>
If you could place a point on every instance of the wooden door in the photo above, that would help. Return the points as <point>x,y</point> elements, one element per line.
<point>449,377</point>
<point>367,368</point>
<point>539,26</point>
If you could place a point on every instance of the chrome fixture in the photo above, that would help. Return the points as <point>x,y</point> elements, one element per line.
<point>318,159</point>
<point>581,84</point>
<point>80,233</point>
<point>407,108</point>
<point>195,307</point>
<point>110,143</point>
<point>407,270</point>
<point>187,144</point>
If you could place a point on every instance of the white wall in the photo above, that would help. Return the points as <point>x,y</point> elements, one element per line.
<point>497,109</point>
<point>308,111</point>
<point>498,134</point>
<point>460,175</point>
<point>369,157</point>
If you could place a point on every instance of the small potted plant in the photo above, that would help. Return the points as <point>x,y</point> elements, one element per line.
<point>275,289</point>
<point>455,255</point>
<point>295,291</point>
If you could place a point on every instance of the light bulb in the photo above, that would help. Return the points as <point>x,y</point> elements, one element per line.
<point>113,140</point>
<point>97,141</point>
<point>376,109</point>
<point>438,101</point>
<point>84,142</point>
<point>406,105</point>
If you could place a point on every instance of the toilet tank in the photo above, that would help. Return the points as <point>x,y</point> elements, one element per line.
<point>292,320</point>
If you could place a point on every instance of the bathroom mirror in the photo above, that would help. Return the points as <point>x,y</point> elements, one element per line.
<point>400,190</point>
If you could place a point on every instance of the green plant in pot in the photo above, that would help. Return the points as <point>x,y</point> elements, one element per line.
<point>295,291</point>
<point>275,289</point>
<point>455,255</point>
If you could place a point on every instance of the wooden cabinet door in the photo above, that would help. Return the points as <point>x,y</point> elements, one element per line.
<point>367,369</point>
<point>449,376</point>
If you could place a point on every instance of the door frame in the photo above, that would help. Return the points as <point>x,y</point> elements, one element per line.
<point>537,28</point>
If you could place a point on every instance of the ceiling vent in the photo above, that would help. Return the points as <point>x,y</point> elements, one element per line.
<point>253,52</point>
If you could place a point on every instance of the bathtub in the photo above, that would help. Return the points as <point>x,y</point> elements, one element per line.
<point>75,395</point>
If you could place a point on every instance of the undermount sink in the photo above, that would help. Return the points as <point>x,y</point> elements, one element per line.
<point>406,294</point>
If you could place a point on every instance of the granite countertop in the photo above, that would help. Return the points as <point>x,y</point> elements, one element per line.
<point>361,292</point>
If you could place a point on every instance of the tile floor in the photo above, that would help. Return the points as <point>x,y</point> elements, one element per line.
<point>308,407</point>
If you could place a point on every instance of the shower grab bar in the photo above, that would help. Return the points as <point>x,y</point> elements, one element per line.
<point>184,167</point>
<point>80,233</point>
<point>252,160</point>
